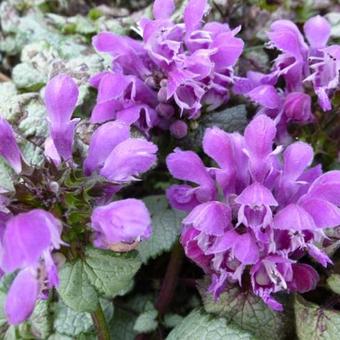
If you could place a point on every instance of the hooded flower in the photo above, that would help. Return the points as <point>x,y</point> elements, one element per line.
<point>121,222</point>
<point>116,156</point>
<point>272,210</point>
<point>174,73</point>
<point>28,241</point>
<point>8,146</point>
<point>299,65</point>
<point>61,95</point>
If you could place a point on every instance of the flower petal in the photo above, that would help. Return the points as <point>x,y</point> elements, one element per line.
<point>8,146</point>
<point>297,157</point>
<point>21,297</point>
<point>61,95</point>
<point>129,159</point>
<point>293,217</point>
<point>317,30</point>
<point>103,141</point>
<point>124,221</point>
<point>212,218</point>
<point>265,95</point>
<point>193,14</point>
<point>163,9</point>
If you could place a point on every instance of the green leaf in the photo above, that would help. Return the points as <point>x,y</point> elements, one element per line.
<point>121,325</point>
<point>2,311</point>
<point>125,315</point>
<point>146,322</point>
<point>199,325</point>
<point>6,176</point>
<point>69,322</point>
<point>25,76</point>
<point>111,273</point>
<point>172,320</point>
<point>333,283</point>
<point>247,311</point>
<point>334,20</point>
<point>40,321</point>
<point>75,288</point>
<point>166,224</point>
<point>230,120</point>
<point>315,322</point>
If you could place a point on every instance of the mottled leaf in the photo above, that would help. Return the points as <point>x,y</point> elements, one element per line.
<point>230,120</point>
<point>248,311</point>
<point>75,288</point>
<point>6,176</point>
<point>111,273</point>
<point>146,322</point>
<point>334,283</point>
<point>41,320</point>
<point>69,322</point>
<point>199,325</point>
<point>314,322</point>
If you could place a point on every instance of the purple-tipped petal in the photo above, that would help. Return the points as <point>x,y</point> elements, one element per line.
<point>228,50</point>
<point>193,14</point>
<point>318,255</point>
<point>51,152</point>
<point>182,197</point>
<point>286,36</point>
<point>256,195</point>
<point>129,159</point>
<point>163,9</point>
<point>63,138</point>
<point>8,146</point>
<point>180,161</point>
<point>61,95</point>
<point>21,297</point>
<point>218,145</point>
<point>265,95</point>
<point>212,218</point>
<point>327,187</point>
<point>298,107</point>
<point>297,157</point>
<point>224,243</point>
<point>294,217</point>
<point>27,236</point>
<point>317,30</point>
<point>103,141</point>
<point>259,136</point>
<point>125,221</point>
<point>246,250</point>
<point>324,213</point>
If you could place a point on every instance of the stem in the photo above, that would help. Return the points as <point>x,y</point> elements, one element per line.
<point>170,279</point>
<point>99,321</point>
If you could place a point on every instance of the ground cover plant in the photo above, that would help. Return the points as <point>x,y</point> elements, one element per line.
<point>169,169</point>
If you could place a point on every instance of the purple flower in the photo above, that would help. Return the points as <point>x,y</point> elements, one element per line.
<point>174,73</point>
<point>272,209</point>
<point>61,95</point>
<point>28,240</point>
<point>8,146</point>
<point>299,62</point>
<point>116,156</point>
<point>125,221</point>
<point>184,196</point>
<point>298,65</point>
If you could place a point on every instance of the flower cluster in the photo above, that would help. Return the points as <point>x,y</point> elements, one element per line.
<point>299,65</point>
<point>257,212</point>
<point>170,76</point>
<point>30,238</point>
